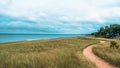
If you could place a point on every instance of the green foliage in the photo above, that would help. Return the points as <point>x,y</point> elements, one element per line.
<point>110,31</point>
<point>113,44</point>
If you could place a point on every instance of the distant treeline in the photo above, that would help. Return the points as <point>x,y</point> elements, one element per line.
<point>110,31</point>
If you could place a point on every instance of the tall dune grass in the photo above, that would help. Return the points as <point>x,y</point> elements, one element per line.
<point>111,55</point>
<point>52,53</point>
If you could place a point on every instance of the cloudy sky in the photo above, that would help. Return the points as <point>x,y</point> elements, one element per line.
<point>57,16</point>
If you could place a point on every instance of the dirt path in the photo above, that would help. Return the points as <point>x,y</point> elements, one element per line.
<point>98,61</point>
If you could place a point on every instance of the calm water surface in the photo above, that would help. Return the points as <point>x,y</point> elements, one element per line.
<point>22,37</point>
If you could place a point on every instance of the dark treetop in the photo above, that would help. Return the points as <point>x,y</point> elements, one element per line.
<point>110,31</point>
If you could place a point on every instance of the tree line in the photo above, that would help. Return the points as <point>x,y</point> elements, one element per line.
<point>111,31</point>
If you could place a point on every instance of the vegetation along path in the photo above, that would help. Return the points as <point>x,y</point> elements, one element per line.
<point>98,61</point>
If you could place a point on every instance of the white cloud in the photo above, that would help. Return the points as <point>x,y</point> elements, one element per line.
<point>90,10</point>
<point>64,18</point>
<point>19,24</point>
<point>32,18</point>
<point>54,12</point>
<point>3,3</point>
<point>43,14</point>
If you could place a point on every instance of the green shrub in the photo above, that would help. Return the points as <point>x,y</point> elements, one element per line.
<point>113,44</point>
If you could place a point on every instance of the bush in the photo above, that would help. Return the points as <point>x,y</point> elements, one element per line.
<point>113,44</point>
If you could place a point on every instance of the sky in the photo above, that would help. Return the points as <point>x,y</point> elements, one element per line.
<point>57,16</point>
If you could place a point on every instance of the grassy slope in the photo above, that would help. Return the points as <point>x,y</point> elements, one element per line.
<point>53,53</point>
<point>111,55</point>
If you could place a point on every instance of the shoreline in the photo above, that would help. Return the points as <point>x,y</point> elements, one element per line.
<point>41,39</point>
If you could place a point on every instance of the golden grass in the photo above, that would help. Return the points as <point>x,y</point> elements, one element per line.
<point>111,55</point>
<point>52,53</point>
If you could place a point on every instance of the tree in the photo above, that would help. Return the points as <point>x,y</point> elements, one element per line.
<point>110,31</point>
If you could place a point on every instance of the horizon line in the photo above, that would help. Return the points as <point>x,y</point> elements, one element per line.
<point>32,34</point>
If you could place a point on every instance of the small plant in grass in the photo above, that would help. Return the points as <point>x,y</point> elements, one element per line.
<point>114,44</point>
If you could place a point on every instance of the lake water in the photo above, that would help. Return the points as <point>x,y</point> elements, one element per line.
<point>22,37</point>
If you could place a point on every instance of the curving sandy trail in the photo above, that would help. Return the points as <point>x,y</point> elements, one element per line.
<point>98,61</point>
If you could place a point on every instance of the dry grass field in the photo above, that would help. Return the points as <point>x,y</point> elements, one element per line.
<point>112,55</point>
<point>51,53</point>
